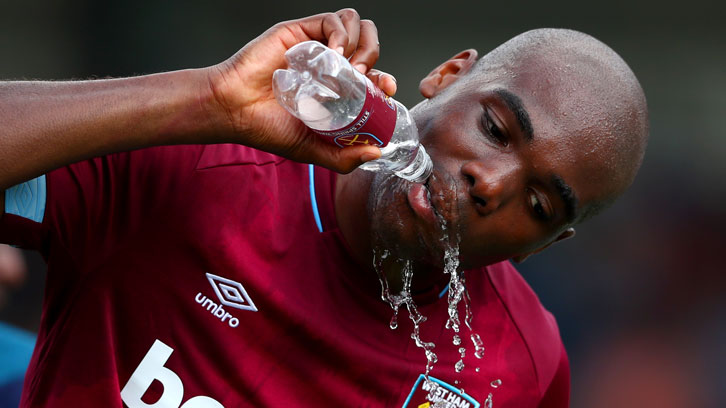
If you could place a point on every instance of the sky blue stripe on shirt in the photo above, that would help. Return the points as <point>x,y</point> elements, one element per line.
<point>27,199</point>
<point>313,200</point>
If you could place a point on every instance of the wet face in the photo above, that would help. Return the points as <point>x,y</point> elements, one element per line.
<point>512,172</point>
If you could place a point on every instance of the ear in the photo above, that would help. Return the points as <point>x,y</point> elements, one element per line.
<point>447,73</point>
<point>568,233</point>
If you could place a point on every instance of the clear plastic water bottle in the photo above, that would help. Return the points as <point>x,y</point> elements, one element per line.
<point>321,88</point>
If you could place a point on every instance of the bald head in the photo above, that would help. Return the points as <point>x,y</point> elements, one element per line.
<point>590,96</point>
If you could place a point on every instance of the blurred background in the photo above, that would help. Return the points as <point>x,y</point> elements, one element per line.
<point>639,293</point>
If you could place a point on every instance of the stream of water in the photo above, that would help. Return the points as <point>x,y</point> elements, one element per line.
<point>449,240</point>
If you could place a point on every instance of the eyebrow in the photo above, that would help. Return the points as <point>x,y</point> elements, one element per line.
<point>568,197</point>
<point>564,191</point>
<point>517,107</point>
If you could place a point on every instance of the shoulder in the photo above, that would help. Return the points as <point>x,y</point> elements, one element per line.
<point>536,325</point>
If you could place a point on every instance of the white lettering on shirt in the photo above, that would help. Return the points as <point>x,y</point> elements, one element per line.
<point>152,368</point>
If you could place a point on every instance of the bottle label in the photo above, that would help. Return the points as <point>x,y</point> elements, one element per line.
<point>374,125</point>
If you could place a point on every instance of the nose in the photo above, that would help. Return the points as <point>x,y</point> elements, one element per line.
<point>490,186</point>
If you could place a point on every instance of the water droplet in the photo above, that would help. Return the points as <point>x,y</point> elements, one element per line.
<point>459,366</point>
<point>394,321</point>
<point>496,383</point>
<point>488,403</point>
<point>457,340</point>
<point>478,345</point>
<point>477,369</point>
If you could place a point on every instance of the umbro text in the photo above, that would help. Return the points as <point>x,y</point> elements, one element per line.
<point>217,310</point>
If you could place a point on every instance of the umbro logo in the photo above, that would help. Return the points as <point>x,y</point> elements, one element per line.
<point>230,294</point>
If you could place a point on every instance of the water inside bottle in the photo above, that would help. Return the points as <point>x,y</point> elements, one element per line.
<point>322,89</point>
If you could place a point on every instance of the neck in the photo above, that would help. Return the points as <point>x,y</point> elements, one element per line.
<point>351,202</point>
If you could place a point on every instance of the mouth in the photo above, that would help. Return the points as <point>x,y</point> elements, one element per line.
<point>436,201</point>
<point>419,198</point>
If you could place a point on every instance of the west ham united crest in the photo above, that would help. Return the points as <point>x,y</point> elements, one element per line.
<point>358,138</point>
<point>419,396</point>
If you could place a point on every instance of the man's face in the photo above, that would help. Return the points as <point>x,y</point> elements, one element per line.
<point>511,172</point>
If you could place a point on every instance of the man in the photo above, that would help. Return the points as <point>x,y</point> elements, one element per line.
<point>221,275</point>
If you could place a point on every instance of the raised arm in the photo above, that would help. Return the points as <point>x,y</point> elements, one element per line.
<point>46,125</point>
<point>50,124</point>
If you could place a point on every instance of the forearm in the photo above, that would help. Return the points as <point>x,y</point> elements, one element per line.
<point>46,125</point>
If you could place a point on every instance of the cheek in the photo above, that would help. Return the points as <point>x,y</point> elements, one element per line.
<point>490,239</point>
<point>451,129</point>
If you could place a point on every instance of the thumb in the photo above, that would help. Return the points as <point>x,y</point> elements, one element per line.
<point>344,160</point>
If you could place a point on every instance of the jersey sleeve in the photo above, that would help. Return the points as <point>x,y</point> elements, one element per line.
<point>21,222</point>
<point>558,392</point>
<point>539,331</point>
<point>88,208</point>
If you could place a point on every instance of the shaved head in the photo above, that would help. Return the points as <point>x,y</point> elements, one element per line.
<point>536,136</point>
<point>591,95</point>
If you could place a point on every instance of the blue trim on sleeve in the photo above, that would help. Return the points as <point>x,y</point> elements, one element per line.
<point>313,200</point>
<point>27,199</point>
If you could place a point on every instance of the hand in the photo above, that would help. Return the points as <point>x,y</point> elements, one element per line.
<point>12,269</point>
<point>242,88</point>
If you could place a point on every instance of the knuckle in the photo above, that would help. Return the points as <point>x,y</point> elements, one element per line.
<point>373,54</point>
<point>279,26</point>
<point>348,12</point>
<point>368,23</point>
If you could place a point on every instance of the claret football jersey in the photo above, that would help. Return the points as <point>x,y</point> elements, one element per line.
<point>216,276</point>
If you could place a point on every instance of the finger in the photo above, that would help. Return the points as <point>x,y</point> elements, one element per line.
<point>383,80</point>
<point>12,266</point>
<point>341,160</point>
<point>351,22</point>
<point>368,49</point>
<point>327,28</point>
<point>348,159</point>
<point>335,32</point>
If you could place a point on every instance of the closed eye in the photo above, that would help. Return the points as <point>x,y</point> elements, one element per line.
<point>537,207</point>
<point>492,130</point>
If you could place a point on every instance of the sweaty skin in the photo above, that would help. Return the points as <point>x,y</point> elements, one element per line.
<point>535,137</point>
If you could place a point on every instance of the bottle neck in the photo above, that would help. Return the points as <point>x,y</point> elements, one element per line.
<point>419,169</point>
